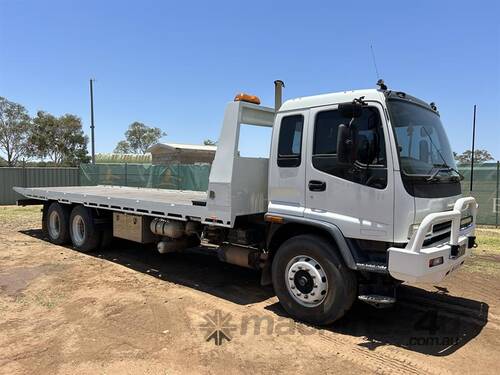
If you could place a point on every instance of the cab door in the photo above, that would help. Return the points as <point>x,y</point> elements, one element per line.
<point>358,195</point>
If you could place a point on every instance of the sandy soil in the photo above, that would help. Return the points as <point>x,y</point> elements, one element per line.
<point>130,310</point>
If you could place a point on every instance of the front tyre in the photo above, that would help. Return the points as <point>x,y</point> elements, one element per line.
<point>84,234</point>
<point>311,281</point>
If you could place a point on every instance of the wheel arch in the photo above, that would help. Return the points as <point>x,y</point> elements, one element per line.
<point>292,227</point>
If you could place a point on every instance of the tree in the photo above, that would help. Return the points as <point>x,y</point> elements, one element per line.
<point>60,139</point>
<point>14,126</point>
<point>123,147</point>
<point>139,137</point>
<point>480,156</point>
<point>209,142</point>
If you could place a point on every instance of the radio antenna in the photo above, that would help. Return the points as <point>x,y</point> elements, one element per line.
<point>374,62</point>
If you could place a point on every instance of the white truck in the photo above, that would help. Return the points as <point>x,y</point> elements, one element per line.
<point>359,194</point>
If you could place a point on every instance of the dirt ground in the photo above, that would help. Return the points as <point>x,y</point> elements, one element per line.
<point>131,310</point>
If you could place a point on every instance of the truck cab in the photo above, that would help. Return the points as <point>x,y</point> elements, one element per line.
<point>388,191</point>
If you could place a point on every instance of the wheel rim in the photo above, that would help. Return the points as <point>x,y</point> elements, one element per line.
<point>78,229</point>
<point>54,224</point>
<point>306,281</point>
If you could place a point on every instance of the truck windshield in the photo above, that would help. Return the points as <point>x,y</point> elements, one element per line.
<point>423,146</point>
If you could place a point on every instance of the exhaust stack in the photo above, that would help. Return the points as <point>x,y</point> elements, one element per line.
<point>278,94</point>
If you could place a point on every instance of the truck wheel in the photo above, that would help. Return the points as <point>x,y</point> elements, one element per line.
<point>55,223</point>
<point>311,281</point>
<point>84,234</point>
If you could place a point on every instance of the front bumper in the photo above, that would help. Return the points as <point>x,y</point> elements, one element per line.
<point>412,263</point>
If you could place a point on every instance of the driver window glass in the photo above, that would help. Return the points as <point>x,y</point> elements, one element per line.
<point>290,141</point>
<point>369,157</point>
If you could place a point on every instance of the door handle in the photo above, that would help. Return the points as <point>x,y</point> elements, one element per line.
<point>315,185</point>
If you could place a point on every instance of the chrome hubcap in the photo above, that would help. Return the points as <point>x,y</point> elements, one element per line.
<point>78,229</point>
<point>306,281</point>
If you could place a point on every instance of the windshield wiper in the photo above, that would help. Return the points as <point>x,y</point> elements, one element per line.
<point>440,167</point>
<point>444,168</point>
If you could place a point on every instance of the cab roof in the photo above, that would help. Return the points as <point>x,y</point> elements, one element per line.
<point>332,98</point>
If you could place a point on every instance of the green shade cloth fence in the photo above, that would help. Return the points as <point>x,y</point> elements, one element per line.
<point>175,176</point>
<point>484,189</point>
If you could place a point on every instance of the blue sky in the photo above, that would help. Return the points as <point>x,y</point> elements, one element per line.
<point>174,65</point>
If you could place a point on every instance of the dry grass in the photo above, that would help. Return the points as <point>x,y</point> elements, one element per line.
<point>488,239</point>
<point>17,212</point>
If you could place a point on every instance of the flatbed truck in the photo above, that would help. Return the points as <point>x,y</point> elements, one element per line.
<point>360,193</point>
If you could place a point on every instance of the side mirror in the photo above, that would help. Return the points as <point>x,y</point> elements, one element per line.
<point>351,110</point>
<point>344,144</point>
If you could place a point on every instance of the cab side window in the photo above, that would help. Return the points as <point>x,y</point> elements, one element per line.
<point>290,141</point>
<point>368,165</point>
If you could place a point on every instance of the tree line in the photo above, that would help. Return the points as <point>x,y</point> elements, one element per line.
<point>480,156</point>
<point>60,140</point>
<point>56,140</point>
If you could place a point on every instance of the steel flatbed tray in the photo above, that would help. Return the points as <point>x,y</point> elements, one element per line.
<point>174,204</point>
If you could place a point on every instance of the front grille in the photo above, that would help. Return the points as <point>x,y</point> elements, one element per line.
<point>441,231</point>
<point>441,226</point>
<point>440,237</point>
<point>464,223</point>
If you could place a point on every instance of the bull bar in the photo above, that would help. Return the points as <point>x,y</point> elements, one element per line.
<point>412,263</point>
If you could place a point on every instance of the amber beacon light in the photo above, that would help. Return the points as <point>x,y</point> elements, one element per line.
<point>242,97</point>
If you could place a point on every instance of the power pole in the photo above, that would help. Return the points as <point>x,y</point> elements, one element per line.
<point>92,119</point>
<point>497,202</point>
<point>472,156</point>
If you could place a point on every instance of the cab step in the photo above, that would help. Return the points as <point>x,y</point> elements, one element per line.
<point>377,267</point>
<point>377,300</point>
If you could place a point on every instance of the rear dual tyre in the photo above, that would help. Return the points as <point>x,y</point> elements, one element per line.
<point>311,281</point>
<point>62,225</point>
<point>83,232</point>
<point>55,223</point>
